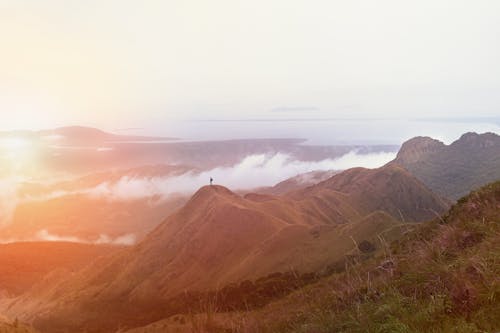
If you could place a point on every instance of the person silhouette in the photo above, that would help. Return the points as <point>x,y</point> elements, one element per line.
<point>211,180</point>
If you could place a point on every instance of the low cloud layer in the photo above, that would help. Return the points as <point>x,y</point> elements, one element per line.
<point>46,236</point>
<point>252,172</point>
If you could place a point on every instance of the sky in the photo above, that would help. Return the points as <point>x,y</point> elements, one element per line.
<point>122,63</point>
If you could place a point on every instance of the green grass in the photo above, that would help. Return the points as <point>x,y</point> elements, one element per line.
<point>442,277</point>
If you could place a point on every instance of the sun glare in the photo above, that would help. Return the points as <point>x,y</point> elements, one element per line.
<point>15,144</point>
<point>18,152</point>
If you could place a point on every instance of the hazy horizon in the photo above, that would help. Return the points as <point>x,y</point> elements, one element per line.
<point>114,64</point>
<point>324,132</point>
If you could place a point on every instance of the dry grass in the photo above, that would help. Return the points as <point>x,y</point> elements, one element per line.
<point>442,277</point>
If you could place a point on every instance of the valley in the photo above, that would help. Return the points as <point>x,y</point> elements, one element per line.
<point>238,252</point>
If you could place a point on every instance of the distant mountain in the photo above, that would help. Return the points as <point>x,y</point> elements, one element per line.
<point>89,135</point>
<point>453,170</point>
<point>219,237</point>
<point>80,134</point>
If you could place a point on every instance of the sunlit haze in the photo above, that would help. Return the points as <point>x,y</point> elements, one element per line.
<point>120,64</point>
<point>249,166</point>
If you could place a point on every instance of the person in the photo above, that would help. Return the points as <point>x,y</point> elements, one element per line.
<point>211,180</point>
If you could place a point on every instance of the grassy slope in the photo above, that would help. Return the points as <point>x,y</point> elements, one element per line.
<point>24,264</point>
<point>327,243</point>
<point>443,277</point>
<point>220,238</point>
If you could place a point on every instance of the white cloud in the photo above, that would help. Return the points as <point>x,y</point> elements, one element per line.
<point>252,172</point>
<point>128,239</point>
<point>46,236</point>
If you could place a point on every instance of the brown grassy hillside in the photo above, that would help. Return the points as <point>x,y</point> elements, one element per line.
<point>390,188</point>
<point>24,264</point>
<point>219,237</point>
<point>441,277</point>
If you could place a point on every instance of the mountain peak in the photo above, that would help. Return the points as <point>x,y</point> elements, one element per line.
<point>484,140</point>
<point>209,192</point>
<point>413,149</point>
<point>213,189</point>
<point>468,136</point>
<point>453,170</point>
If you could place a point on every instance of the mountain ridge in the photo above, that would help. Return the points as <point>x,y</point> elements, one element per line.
<point>220,237</point>
<point>453,170</point>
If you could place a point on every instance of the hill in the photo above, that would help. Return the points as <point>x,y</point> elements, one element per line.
<point>219,238</point>
<point>453,170</point>
<point>440,277</point>
<point>390,188</point>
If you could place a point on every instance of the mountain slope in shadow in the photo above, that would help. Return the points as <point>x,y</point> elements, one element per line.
<point>453,170</point>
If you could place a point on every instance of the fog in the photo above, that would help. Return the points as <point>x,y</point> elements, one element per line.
<point>252,172</point>
<point>45,236</point>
